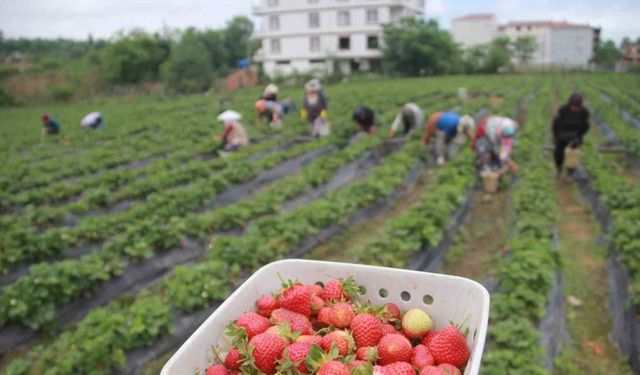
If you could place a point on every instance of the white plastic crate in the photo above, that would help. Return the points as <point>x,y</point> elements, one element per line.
<point>445,298</point>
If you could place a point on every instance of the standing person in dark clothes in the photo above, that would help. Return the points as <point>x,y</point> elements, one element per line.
<point>570,125</point>
<point>365,118</point>
<point>49,125</point>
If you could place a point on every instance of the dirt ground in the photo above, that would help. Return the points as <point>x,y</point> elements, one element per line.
<point>584,267</point>
<point>480,244</point>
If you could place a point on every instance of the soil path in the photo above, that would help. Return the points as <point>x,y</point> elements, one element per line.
<point>583,255</point>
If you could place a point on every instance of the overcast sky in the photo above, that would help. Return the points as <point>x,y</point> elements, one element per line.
<point>101,18</point>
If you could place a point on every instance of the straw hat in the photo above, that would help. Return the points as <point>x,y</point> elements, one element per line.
<point>313,85</point>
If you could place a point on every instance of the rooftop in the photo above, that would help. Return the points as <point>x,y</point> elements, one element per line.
<point>548,24</point>
<point>475,16</point>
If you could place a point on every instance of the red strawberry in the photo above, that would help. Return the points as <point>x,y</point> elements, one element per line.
<point>388,329</point>
<point>431,370</point>
<point>367,329</point>
<point>217,370</point>
<point>334,368</point>
<point>297,298</point>
<point>315,289</point>
<point>449,346</point>
<point>324,315</point>
<point>367,353</point>
<point>233,359</point>
<point>341,315</point>
<point>420,357</point>
<point>394,348</point>
<point>267,350</point>
<point>296,354</point>
<point>396,368</point>
<point>357,364</point>
<point>427,338</point>
<point>253,323</point>
<point>316,303</point>
<point>391,312</point>
<point>266,304</point>
<point>338,338</point>
<point>339,290</point>
<point>297,322</point>
<point>311,339</point>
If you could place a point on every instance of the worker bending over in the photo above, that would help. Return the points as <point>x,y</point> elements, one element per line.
<point>365,119</point>
<point>49,125</point>
<point>493,143</point>
<point>451,131</point>
<point>314,109</point>
<point>93,120</point>
<point>411,117</point>
<point>234,137</point>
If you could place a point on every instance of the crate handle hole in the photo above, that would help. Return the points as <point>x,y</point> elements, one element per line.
<point>406,296</point>
<point>320,283</point>
<point>383,293</point>
<point>475,332</point>
<point>427,299</point>
<point>362,290</point>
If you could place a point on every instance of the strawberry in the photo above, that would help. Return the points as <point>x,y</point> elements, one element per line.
<point>297,322</point>
<point>316,303</point>
<point>253,323</point>
<point>358,364</point>
<point>341,315</point>
<point>340,339</point>
<point>394,348</point>
<point>367,353</point>
<point>334,368</point>
<point>367,329</point>
<point>339,290</point>
<point>427,338</point>
<point>295,356</point>
<point>217,370</point>
<point>297,298</point>
<point>273,330</point>
<point>420,357</point>
<point>266,304</point>
<point>324,314</point>
<point>416,323</point>
<point>388,329</point>
<point>431,370</point>
<point>233,359</point>
<point>311,339</point>
<point>390,312</point>
<point>449,346</point>
<point>396,368</point>
<point>265,351</point>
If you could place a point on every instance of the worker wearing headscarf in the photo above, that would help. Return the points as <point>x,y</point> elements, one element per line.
<point>93,120</point>
<point>314,108</point>
<point>494,136</point>
<point>234,137</point>
<point>365,119</point>
<point>50,125</point>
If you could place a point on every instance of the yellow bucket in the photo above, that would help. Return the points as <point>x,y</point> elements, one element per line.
<point>490,181</point>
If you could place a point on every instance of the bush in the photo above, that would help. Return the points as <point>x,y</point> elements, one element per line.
<point>5,97</point>
<point>61,92</point>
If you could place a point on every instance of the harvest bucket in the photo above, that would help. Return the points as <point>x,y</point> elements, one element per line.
<point>490,181</point>
<point>445,298</point>
<point>572,157</point>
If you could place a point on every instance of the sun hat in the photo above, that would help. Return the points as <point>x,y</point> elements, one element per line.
<point>229,116</point>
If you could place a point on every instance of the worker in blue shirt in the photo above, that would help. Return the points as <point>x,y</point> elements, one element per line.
<point>451,131</point>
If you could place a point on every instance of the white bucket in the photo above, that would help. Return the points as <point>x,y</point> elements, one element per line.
<point>445,298</point>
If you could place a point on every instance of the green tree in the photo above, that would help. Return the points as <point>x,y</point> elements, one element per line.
<point>606,54</point>
<point>498,56</point>
<point>419,47</point>
<point>523,49</point>
<point>214,43</point>
<point>237,40</point>
<point>135,57</point>
<point>188,68</point>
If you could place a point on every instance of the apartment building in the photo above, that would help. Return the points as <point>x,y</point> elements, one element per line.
<point>316,35</point>
<point>560,44</point>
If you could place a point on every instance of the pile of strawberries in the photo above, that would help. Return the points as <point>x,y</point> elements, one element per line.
<point>314,329</point>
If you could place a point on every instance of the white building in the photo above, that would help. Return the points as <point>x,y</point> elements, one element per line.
<point>560,44</point>
<point>306,35</point>
<point>474,29</point>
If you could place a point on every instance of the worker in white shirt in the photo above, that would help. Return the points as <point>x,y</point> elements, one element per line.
<point>93,120</point>
<point>234,137</point>
<point>411,117</point>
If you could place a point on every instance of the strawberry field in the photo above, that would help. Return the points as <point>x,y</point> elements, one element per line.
<point>115,245</point>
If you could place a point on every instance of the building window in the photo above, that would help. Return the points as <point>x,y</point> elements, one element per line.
<point>316,61</point>
<point>283,62</point>
<point>275,45</point>
<point>372,16</point>
<point>314,20</point>
<point>314,43</point>
<point>312,1</point>
<point>272,3</point>
<point>372,42</point>
<point>344,43</point>
<point>274,23</point>
<point>343,19</point>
